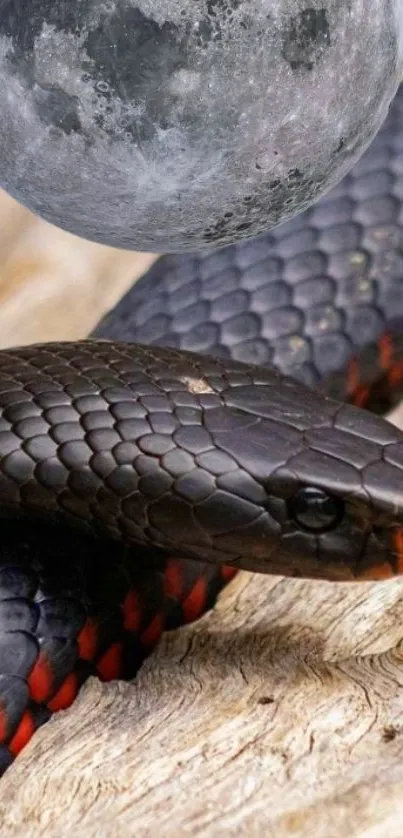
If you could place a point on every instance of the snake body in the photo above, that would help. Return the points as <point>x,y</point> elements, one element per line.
<point>140,468</point>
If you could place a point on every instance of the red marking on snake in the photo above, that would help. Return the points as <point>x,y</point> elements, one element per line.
<point>194,604</point>
<point>378,572</point>
<point>227,572</point>
<point>398,545</point>
<point>22,735</point>
<point>173,579</point>
<point>132,611</point>
<point>65,694</point>
<point>361,395</point>
<point>152,633</point>
<point>87,640</point>
<point>109,665</point>
<point>395,374</point>
<point>40,679</point>
<point>385,352</point>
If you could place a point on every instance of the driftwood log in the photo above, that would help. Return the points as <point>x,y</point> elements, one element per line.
<point>280,713</point>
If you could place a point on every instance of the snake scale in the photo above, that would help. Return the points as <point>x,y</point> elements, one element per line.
<point>141,468</point>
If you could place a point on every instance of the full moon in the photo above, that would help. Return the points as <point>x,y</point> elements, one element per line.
<point>174,125</point>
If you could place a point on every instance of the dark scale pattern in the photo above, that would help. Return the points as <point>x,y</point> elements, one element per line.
<point>307,297</point>
<point>195,456</point>
<point>73,606</point>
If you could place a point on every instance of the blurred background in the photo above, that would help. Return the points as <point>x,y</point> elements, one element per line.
<point>55,286</point>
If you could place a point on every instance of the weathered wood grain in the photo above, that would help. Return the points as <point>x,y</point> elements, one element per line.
<point>280,714</point>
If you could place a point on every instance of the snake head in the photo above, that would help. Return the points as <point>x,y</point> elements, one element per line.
<point>326,479</point>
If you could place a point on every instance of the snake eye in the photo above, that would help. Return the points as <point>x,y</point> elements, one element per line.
<point>315,511</point>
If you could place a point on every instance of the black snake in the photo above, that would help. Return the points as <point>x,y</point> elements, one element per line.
<point>136,474</point>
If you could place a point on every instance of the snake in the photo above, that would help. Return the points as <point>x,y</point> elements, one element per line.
<point>225,415</point>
